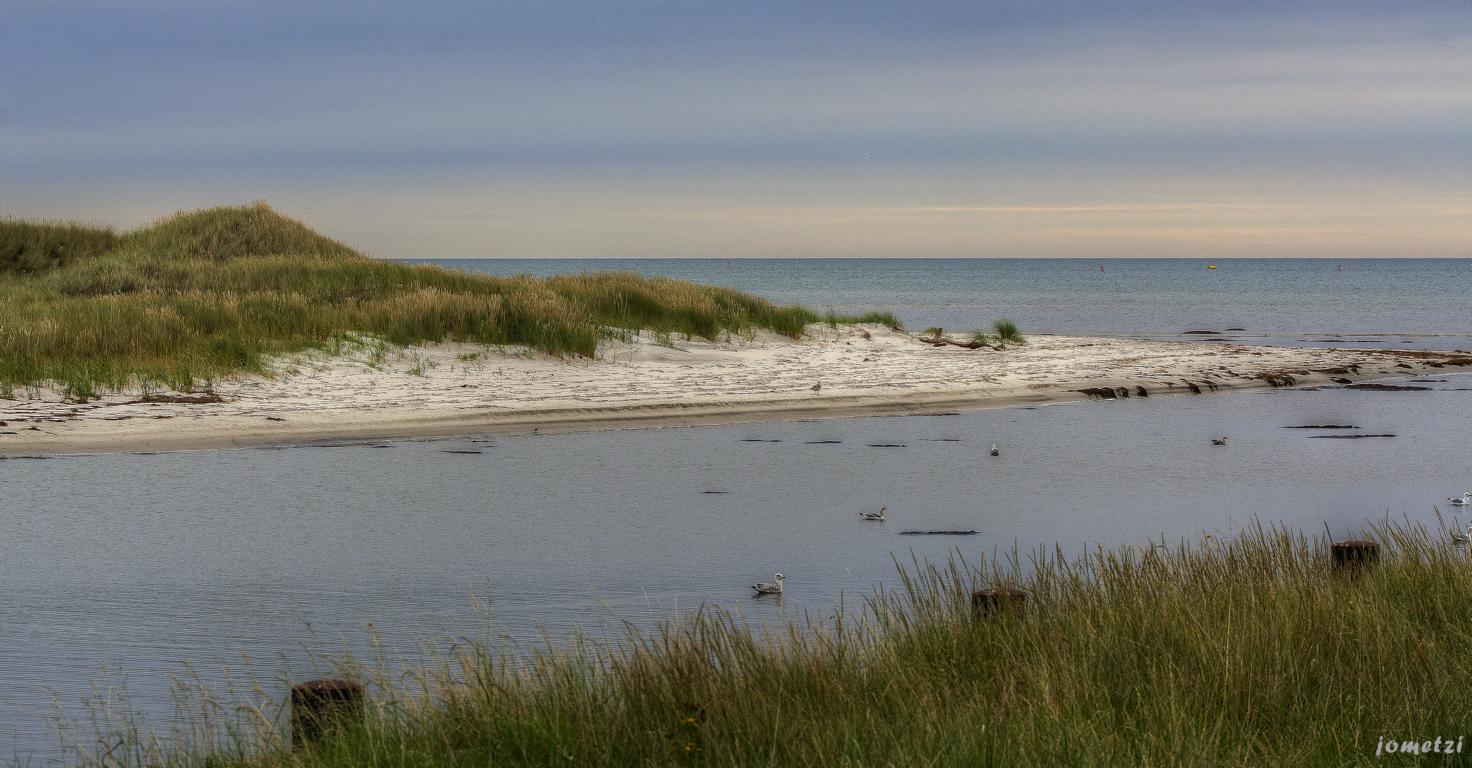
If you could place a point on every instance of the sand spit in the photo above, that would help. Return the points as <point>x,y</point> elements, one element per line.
<point>454,389</point>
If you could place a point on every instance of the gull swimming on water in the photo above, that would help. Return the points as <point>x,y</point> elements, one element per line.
<point>1465,500</point>
<point>1462,537</point>
<point>764,588</point>
<point>874,515</point>
<point>817,387</point>
<point>1219,441</point>
<point>996,451</point>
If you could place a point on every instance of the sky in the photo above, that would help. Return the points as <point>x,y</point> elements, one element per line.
<point>707,128</point>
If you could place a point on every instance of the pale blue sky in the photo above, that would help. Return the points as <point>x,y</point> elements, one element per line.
<point>727,129</point>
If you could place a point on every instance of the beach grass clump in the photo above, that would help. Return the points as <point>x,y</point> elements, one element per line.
<point>875,318</point>
<point>206,294</point>
<point>1251,651</point>
<point>1007,331</point>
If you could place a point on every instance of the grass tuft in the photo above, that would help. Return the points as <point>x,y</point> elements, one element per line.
<point>1006,330</point>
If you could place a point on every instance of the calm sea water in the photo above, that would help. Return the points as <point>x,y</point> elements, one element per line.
<point>1396,302</point>
<point>121,572</point>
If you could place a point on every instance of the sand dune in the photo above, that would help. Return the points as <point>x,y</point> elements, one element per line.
<point>455,389</point>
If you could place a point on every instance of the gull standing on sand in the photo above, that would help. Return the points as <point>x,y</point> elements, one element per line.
<point>773,588</point>
<point>874,515</point>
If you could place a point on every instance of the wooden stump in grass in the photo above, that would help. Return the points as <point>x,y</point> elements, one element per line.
<point>319,705</point>
<point>1350,556</point>
<point>986,603</point>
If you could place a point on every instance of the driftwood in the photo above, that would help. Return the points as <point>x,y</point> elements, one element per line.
<point>941,341</point>
<point>199,399</point>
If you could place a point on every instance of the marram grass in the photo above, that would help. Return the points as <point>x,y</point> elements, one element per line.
<point>1252,651</point>
<point>215,292</point>
<point>36,246</point>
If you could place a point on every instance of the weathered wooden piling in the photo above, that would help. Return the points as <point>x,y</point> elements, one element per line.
<point>1350,556</point>
<point>318,705</point>
<point>986,603</point>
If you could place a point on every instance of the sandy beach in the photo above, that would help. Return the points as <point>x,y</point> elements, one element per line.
<point>440,390</point>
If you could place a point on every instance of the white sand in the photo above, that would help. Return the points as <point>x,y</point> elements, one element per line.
<point>457,389</point>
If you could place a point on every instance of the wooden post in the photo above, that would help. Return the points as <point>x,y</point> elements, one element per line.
<point>1350,556</point>
<point>317,705</point>
<point>986,603</point>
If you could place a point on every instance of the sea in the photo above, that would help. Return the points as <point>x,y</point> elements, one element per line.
<point>1364,302</point>
<point>135,584</point>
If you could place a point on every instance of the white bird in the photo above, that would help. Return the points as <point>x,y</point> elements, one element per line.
<point>1462,537</point>
<point>1219,441</point>
<point>774,588</point>
<point>1465,500</point>
<point>996,451</point>
<point>874,515</point>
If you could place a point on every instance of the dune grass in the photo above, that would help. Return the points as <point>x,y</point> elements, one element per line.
<point>28,247</point>
<point>216,292</point>
<point>1007,331</point>
<point>1252,651</point>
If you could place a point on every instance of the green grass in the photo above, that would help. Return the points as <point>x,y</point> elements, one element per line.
<point>211,293</point>
<point>1253,651</point>
<point>1007,331</point>
<point>28,247</point>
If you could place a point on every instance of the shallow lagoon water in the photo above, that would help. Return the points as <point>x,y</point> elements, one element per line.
<point>120,570</point>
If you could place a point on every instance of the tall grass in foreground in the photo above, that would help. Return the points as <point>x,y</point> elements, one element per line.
<point>1251,651</point>
<point>207,294</point>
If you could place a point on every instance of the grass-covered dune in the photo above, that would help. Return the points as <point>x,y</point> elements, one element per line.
<point>1254,651</point>
<point>28,247</point>
<point>214,292</point>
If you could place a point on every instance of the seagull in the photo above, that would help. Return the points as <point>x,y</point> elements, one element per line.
<point>1219,441</point>
<point>1462,537</point>
<point>774,588</point>
<point>817,387</point>
<point>874,515</point>
<point>996,451</point>
<point>1464,501</point>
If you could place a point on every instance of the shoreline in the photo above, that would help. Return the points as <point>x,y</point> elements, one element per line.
<point>436,391</point>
